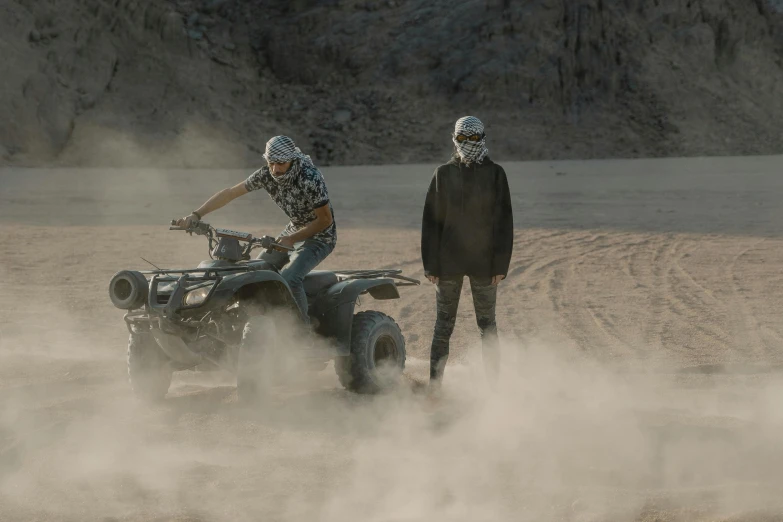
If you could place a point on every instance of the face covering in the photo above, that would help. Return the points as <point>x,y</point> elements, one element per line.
<point>281,149</point>
<point>289,174</point>
<point>470,151</point>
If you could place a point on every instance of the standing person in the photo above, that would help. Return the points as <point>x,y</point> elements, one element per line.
<point>298,187</point>
<point>467,230</point>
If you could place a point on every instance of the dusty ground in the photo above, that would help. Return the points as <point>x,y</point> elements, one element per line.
<point>641,332</point>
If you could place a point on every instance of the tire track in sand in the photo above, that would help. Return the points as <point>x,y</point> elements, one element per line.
<point>693,306</point>
<point>629,293</point>
<point>748,341</point>
<point>583,306</point>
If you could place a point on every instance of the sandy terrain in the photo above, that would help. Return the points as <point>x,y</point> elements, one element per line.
<point>642,345</point>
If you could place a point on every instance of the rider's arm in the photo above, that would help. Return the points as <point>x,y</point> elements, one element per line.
<point>323,218</point>
<point>222,198</point>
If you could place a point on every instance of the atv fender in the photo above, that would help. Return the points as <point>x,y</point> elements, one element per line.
<point>335,308</point>
<point>248,285</point>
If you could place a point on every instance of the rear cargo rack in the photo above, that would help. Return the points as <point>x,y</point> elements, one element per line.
<point>372,274</point>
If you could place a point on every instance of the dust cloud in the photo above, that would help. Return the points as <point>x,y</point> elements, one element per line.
<point>562,438</point>
<point>196,143</point>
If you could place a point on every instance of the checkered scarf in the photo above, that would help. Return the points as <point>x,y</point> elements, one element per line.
<point>470,151</point>
<point>281,149</point>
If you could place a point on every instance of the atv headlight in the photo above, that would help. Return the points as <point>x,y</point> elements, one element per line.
<point>197,296</point>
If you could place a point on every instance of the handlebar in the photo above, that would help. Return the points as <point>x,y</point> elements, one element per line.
<point>198,227</point>
<point>202,228</point>
<point>268,242</point>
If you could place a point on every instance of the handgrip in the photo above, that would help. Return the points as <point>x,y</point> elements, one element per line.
<point>269,243</point>
<point>175,226</point>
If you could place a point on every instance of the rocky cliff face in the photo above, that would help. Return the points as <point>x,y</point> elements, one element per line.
<point>206,83</point>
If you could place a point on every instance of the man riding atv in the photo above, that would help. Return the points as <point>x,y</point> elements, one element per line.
<point>221,314</point>
<point>298,187</point>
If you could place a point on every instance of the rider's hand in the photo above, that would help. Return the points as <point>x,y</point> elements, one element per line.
<point>497,279</point>
<point>187,221</point>
<point>433,279</point>
<point>285,241</point>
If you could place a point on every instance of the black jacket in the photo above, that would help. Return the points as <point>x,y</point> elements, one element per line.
<point>467,227</point>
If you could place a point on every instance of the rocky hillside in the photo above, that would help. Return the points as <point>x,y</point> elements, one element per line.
<point>206,82</point>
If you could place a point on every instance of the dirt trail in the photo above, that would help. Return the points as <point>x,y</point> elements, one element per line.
<point>643,358</point>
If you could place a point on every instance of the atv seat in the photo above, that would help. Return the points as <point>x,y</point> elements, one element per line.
<point>318,280</point>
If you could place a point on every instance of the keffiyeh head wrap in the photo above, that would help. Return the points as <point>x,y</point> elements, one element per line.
<point>470,151</point>
<point>282,149</point>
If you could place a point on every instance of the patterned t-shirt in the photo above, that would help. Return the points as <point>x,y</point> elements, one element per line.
<point>298,197</point>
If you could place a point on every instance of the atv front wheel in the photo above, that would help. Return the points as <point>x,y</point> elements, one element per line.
<point>149,371</point>
<point>377,356</point>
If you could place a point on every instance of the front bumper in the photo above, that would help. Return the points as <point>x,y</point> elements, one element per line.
<point>167,311</point>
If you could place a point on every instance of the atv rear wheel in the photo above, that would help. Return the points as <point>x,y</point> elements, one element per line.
<point>149,372</point>
<point>377,356</point>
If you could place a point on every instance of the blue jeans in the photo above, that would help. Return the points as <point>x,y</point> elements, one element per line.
<point>294,266</point>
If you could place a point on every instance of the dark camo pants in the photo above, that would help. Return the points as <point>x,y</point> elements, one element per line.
<point>484,298</point>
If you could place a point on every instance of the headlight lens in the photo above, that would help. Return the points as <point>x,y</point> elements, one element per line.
<point>197,296</point>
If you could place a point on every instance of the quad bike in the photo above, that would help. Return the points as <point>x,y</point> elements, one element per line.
<point>217,316</point>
